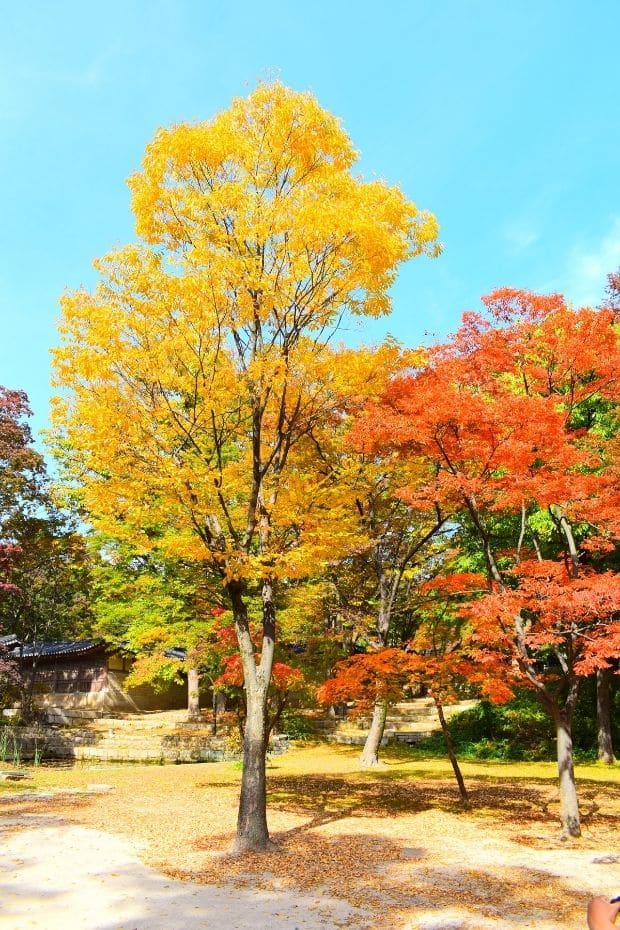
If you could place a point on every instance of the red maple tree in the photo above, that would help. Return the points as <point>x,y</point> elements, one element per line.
<point>511,417</point>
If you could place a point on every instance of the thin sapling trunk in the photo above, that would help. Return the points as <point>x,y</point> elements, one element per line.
<point>454,762</point>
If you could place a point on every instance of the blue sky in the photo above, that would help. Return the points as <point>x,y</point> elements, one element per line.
<point>500,117</point>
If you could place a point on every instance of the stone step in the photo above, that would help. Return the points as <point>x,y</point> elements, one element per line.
<point>168,750</point>
<point>62,716</point>
<point>204,754</point>
<point>127,726</point>
<point>363,723</point>
<point>358,739</point>
<point>406,706</point>
<point>416,714</point>
<point>352,739</point>
<point>400,729</point>
<point>158,737</point>
<point>413,726</point>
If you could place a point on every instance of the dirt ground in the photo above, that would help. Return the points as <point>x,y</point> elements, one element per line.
<point>61,876</point>
<point>391,849</point>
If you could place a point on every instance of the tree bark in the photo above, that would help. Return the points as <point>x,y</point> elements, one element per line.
<point>219,706</point>
<point>493,573</point>
<point>389,584</point>
<point>562,716</point>
<point>603,716</point>
<point>569,804</point>
<point>27,711</point>
<point>252,831</point>
<point>572,546</point>
<point>454,762</point>
<point>370,753</point>
<point>193,694</point>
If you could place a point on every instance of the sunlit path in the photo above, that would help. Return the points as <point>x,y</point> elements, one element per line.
<point>55,875</point>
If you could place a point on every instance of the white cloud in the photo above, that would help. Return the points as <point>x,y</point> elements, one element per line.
<point>589,266</point>
<point>520,235</point>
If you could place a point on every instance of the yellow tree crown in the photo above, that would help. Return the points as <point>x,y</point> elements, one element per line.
<point>201,391</point>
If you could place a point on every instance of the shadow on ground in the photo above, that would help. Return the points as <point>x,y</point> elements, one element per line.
<point>347,797</point>
<point>398,881</point>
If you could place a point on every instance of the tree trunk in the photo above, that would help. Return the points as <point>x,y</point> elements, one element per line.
<point>27,689</point>
<point>27,700</point>
<point>193,694</point>
<point>569,804</point>
<point>370,753</point>
<point>603,716</point>
<point>572,546</point>
<point>451,753</point>
<point>219,706</point>
<point>252,832</point>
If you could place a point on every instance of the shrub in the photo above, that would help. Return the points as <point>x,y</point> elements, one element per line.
<point>521,730</point>
<point>295,725</point>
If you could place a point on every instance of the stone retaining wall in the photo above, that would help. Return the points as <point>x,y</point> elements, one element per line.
<point>179,745</point>
<point>26,742</point>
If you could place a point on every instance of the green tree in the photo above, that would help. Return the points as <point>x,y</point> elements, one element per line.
<point>44,565</point>
<point>150,606</point>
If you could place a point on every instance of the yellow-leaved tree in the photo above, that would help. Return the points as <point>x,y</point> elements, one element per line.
<point>201,391</point>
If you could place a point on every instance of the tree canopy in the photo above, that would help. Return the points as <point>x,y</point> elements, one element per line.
<point>202,392</point>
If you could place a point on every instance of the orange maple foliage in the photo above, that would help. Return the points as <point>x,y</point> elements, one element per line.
<point>445,653</point>
<point>513,416</point>
<point>369,678</point>
<point>283,677</point>
<point>493,412</point>
<point>552,624</point>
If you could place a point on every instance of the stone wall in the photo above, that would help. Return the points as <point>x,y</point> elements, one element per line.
<point>77,707</point>
<point>145,697</point>
<point>120,741</point>
<point>48,742</point>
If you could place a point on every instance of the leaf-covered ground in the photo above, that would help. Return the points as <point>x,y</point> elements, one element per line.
<point>394,842</point>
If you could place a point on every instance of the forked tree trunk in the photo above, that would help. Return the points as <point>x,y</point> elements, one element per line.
<point>569,804</point>
<point>370,753</point>
<point>193,694</point>
<point>454,762</point>
<point>562,716</point>
<point>252,832</point>
<point>603,716</point>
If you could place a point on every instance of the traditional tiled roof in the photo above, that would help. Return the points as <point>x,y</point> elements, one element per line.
<point>176,653</point>
<point>66,647</point>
